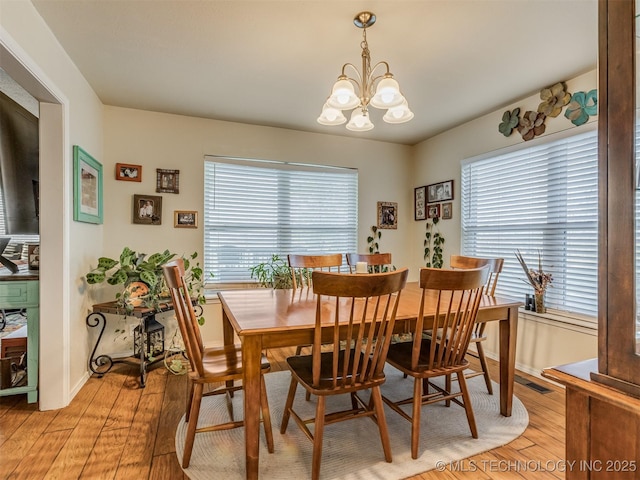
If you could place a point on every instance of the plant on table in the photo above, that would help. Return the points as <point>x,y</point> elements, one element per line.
<point>143,280</point>
<point>274,273</point>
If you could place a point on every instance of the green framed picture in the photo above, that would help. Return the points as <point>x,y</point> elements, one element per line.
<point>87,187</point>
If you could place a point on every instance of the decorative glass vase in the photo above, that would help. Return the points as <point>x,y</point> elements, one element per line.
<point>539,302</point>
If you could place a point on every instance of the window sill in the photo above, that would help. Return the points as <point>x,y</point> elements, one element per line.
<point>575,322</point>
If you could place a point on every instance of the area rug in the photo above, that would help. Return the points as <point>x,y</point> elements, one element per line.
<point>352,449</point>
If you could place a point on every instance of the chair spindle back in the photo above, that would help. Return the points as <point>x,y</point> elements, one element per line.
<point>302,266</point>
<point>185,314</point>
<point>362,309</point>
<point>495,268</point>
<point>458,295</point>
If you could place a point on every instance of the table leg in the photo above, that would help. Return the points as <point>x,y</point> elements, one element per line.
<point>102,363</point>
<point>227,329</point>
<point>251,353</point>
<point>508,336</point>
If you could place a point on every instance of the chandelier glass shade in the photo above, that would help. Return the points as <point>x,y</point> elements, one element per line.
<point>366,89</point>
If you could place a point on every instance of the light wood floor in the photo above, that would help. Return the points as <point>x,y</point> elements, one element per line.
<point>115,430</point>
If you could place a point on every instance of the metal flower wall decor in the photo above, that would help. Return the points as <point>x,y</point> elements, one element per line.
<point>532,124</point>
<point>553,99</point>
<point>579,108</point>
<point>582,106</point>
<point>510,121</point>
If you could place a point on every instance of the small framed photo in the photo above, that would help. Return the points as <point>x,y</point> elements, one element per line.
<point>420,203</point>
<point>185,219</point>
<point>128,172</point>
<point>387,215</point>
<point>440,192</point>
<point>433,211</point>
<point>447,211</point>
<point>87,187</point>
<point>33,256</point>
<point>167,181</point>
<point>147,209</point>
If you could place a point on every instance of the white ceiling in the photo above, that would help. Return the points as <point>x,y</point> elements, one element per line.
<point>274,62</point>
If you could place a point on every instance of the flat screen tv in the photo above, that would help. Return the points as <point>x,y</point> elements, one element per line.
<point>19,172</point>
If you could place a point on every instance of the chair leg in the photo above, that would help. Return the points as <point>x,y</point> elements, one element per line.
<point>376,397</point>
<point>447,387</point>
<point>485,368</point>
<point>192,425</point>
<point>317,438</point>
<point>467,405</point>
<point>415,417</point>
<point>266,415</point>
<point>288,404</point>
<point>189,401</point>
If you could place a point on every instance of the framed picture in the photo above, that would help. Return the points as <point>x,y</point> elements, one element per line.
<point>185,219</point>
<point>147,209</point>
<point>387,215</point>
<point>87,187</point>
<point>33,256</point>
<point>447,211</point>
<point>420,203</point>
<point>167,181</point>
<point>128,172</point>
<point>440,192</point>
<point>433,211</point>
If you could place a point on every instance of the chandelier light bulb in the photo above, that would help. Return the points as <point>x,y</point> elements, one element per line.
<point>331,116</point>
<point>398,114</point>
<point>343,95</point>
<point>360,121</point>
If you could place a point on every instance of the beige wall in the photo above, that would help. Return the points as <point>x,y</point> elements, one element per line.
<point>156,140</point>
<point>72,116</point>
<point>439,159</point>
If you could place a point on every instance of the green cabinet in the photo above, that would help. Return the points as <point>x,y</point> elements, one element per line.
<point>24,294</point>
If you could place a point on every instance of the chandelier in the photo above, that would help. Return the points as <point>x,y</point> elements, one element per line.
<point>344,97</point>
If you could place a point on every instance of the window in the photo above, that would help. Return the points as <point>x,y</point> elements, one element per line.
<point>254,209</point>
<point>541,198</point>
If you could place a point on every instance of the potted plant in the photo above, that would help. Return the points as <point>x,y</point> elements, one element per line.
<point>274,273</point>
<point>142,278</point>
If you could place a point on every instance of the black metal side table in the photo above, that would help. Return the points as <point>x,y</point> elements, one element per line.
<point>102,364</point>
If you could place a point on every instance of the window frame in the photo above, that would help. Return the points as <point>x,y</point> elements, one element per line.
<point>580,318</point>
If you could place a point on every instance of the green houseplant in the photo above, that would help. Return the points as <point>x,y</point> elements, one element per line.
<point>433,241</point>
<point>274,273</point>
<point>142,278</point>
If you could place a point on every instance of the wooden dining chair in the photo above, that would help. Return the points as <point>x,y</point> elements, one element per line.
<point>479,336</point>
<point>360,312</point>
<point>208,365</point>
<point>455,296</point>
<point>302,266</point>
<point>376,262</point>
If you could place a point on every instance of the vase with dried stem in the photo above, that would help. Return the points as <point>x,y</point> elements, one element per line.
<point>538,279</point>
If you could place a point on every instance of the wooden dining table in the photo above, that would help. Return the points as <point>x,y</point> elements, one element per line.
<point>267,318</point>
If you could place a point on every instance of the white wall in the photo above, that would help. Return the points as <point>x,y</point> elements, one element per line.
<point>73,115</point>
<point>540,344</point>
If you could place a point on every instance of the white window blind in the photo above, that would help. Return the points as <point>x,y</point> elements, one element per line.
<point>255,209</point>
<point>541,198</point>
